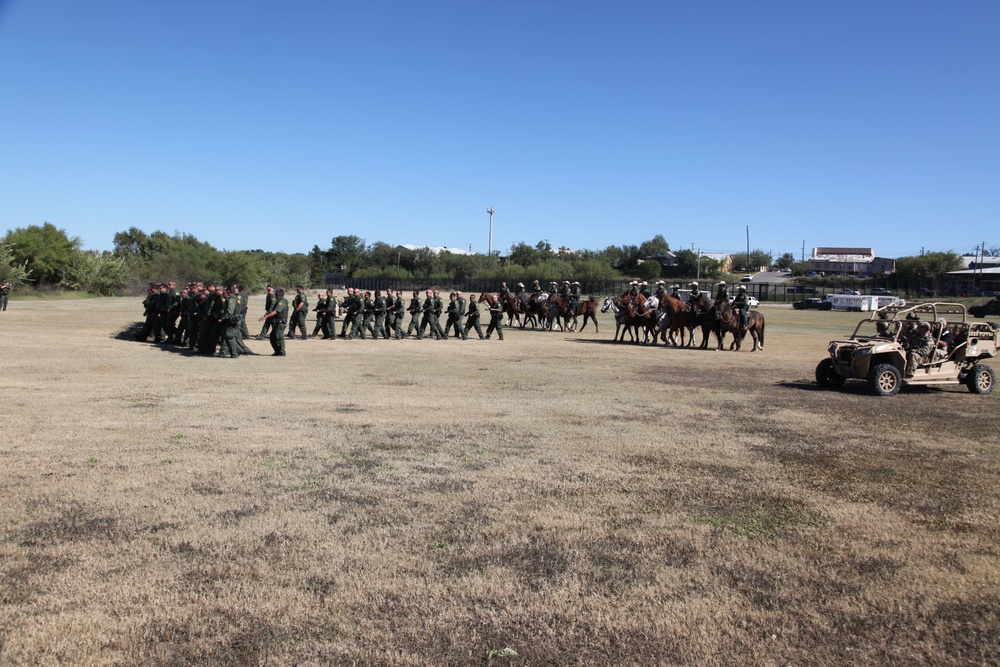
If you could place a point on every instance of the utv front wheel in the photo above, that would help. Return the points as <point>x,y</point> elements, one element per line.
<point>827,375</point>
<point>885,380</point>
<point>981,379</point>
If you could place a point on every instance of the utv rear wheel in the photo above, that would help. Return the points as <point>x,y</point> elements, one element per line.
<point>827,375</point>
<point>885,380</point>
<point>981,379</point>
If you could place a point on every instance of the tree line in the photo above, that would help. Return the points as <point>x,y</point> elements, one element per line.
<point>46,257</point>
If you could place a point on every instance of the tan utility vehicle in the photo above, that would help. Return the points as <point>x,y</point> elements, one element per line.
<point>876,351</point>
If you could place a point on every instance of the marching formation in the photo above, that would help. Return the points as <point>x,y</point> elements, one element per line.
<point>210,318</point>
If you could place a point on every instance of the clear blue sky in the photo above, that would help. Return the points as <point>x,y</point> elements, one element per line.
<point>282,124</point>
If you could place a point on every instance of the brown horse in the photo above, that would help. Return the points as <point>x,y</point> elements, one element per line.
<point>588,309</point>
<point>674,316</point>
<point>727,320</point>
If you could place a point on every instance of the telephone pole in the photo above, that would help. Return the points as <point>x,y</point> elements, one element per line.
<point>491,210</point>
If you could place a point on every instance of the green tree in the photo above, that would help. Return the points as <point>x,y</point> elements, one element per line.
<point>655,246</point>
<point>46,250</point>
<point>786,261</point>
<point>928,265</point>
<point>649,270</point>
<point>239,267</point>
<point>10,270</point>
<point>99,273</point>
<point>348,251</point>
<point>523,254</point>
<point>687,263</point>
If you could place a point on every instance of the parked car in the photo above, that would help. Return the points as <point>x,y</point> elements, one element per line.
<point>853,292</point>
<point>813,304</point>
<point>881,291</point>
<point>747,278</point>
<point>800,289</point>
<point>752,300</point>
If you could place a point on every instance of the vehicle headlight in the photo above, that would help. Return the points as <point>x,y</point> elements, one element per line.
<point>865,350</point>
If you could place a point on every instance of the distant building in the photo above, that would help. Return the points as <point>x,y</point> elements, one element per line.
<point>438,249</point>
<point>853,261</point>
<point>725,260</point>
<point>668,260</point>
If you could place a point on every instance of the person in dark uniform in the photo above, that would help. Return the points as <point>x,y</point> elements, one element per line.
<point>279,313</point>
<point>268,306</point>
<point>300,309</point>
<point>496,319</point>
<point>472,322</point>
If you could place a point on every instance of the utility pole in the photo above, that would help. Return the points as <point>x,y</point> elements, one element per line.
<point>491,210</point>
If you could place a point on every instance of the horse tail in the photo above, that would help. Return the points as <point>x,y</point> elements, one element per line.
<point>762,332</point>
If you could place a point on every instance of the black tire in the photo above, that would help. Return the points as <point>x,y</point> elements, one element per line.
<point>977,311</point>
<point>885,379</point>
<point>981,379</point>
<point>827,375</point>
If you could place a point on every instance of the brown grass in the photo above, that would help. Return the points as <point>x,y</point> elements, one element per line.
<point>418,503</point>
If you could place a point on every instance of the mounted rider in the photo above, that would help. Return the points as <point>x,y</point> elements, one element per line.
<point>661,290</point>
<point>519,290</point>
<point>741,303</point>
<point>503,293</point>
<point>721,293</point>
<point>536,290</point>
<point>644,289</point>
<point>574,296</point>
<point>633,288</point>
<point>675,291</point>
<point>694,299</point>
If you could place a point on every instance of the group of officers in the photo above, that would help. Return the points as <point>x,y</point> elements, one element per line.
<point>207,317</point>
<point>202,316</point>
<point>696,298</point>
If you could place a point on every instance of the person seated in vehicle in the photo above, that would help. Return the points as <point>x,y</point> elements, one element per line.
<point>945,339</point>
<point>919,344</point>
<point>740,304</point>
<point>694,298</point>
<point>721,293</point>
<point>882,325</point>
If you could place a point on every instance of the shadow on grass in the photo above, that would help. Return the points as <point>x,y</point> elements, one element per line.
<point>132,334</point>
<point>851,388</point>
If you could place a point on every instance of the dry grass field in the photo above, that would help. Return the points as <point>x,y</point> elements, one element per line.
<point>550,499</point>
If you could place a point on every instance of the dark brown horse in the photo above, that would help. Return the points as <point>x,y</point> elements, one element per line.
<point>587,309</point>
<point>675,316</point>
<point>727,320</point>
